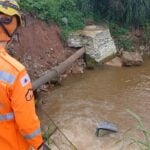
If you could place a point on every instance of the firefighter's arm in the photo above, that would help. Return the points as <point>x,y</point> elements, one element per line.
<point>22,102</point>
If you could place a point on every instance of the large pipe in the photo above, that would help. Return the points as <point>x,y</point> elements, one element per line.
<point>56,71</point>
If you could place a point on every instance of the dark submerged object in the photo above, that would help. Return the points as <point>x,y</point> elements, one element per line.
<point>105,127</point>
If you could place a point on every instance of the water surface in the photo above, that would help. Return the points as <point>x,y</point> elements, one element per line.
<point>105,93</point>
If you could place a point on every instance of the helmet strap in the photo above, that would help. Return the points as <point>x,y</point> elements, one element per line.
<point>5,30</point>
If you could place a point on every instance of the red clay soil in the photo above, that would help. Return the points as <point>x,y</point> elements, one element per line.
<point>38,46</point>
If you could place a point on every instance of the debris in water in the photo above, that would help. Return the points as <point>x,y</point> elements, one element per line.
<point>105,127</point>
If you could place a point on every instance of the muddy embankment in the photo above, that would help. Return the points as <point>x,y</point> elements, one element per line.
<point>39,47</point>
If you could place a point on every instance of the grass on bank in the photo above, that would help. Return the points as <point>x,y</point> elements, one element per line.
<point>145,143</point>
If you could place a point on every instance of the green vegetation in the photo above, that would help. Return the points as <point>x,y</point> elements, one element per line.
<point>63,12</point>
<point>46,136</point>
<point>72,14</point>
<point>122,39</point>
<point>146,28</point>
<point>145,143</point>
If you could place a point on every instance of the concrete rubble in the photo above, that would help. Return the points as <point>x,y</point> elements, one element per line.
<point>97,41</point>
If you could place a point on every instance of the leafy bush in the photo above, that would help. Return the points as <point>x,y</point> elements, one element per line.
<point>55,10</point>
<point>126,43</point>
<point>116,30</point>
<point>146,28</point>
<point>124,12</point>
<point>65,32</point>
<point>121,37</point>
<point>63,12</point>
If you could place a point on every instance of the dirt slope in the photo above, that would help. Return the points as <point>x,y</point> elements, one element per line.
<point>38,46</point>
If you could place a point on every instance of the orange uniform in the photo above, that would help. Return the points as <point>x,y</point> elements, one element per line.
<point>19,124</point>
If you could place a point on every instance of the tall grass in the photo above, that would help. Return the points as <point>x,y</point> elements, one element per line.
<point>145,143</point>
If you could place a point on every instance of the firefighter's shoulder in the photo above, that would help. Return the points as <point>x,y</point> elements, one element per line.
<point>12,63</point>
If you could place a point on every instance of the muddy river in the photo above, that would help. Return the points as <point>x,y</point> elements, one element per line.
<point>103,94</point>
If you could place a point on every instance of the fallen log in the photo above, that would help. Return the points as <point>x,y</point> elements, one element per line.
<point>57,70</point>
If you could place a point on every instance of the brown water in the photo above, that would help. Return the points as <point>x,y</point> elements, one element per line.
<point>101,94</point>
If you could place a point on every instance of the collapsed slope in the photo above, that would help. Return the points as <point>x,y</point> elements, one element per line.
<point>38,46</point>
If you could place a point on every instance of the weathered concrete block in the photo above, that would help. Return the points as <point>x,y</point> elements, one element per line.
<point>97,41</point>
<point>75,40</point>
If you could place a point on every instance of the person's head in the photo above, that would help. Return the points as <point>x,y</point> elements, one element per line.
<point>10,19</point>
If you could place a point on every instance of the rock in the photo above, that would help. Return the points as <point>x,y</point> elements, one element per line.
<point>51,49</point>
<point>142,47</point>
<point>116,62</point>
<point>44,88</point>
<point>63,76</point>
<point>132,59</point>
<point>90,27</point>
<point>74,40</point>
<point>77,69</point>
<point>29,57</point>
<point>35,65</point>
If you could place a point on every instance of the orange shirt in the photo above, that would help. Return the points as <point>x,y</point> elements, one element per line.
<point>19,124</point>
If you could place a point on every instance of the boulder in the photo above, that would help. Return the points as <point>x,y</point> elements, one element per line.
<point>74,40</point>
<point>115,62</point>
<point>131,58</point>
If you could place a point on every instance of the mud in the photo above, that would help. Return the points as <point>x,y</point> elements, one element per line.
<point>39,47</point>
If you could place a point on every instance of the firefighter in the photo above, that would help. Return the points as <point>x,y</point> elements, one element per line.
<point>19,124</point>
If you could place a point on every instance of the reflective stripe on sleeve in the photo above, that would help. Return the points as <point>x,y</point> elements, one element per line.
<point>8,116</point>
<point>33,134</point>
<point>6,77</point>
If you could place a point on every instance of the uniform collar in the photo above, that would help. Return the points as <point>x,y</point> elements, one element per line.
<point>2,49</point>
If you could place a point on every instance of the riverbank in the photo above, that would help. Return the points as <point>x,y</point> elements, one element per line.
<point>39,47</point>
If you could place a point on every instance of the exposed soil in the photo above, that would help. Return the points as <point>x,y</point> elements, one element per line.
<point>38,46</point>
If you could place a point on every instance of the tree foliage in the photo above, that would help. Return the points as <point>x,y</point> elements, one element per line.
<point>72,13</point>
<point>56,10</point>
<point>129,12</point>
